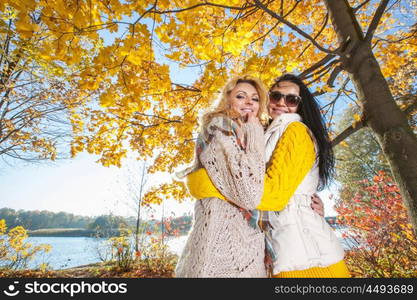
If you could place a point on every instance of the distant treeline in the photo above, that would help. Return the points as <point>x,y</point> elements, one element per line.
<point>36,219</point>
<point>105,224</point>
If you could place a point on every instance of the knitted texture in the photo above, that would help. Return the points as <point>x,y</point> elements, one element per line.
<point>291,160</point>
<point>337,270</point>
<point>221,243</point>
<point>238,174</point>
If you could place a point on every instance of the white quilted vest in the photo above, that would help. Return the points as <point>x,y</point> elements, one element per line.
<point>301,238</point>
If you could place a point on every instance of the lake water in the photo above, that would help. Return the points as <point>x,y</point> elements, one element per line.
<point>70,252</point>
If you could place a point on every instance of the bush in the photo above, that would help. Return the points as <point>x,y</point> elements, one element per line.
<point>384,244</point>
<point>122,250</point>
<point>156,260</point>
<point>15,253</point>
<point>153,259</point>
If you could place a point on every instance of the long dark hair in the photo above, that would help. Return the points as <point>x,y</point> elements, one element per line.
<point>309,110</point>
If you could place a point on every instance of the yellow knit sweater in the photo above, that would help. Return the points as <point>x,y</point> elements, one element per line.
<point>292,159</point>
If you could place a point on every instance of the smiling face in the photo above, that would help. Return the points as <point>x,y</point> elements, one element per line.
<point>244,99</point>
<point>277,108</point>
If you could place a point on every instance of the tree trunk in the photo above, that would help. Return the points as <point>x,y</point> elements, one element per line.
<point>383,116</point>
<point>139,203</point>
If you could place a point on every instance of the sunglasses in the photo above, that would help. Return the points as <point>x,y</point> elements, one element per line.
<point>290,100</point>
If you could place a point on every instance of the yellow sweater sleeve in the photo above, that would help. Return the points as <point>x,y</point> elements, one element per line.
<point>200,185</point>
<point>291,160</point>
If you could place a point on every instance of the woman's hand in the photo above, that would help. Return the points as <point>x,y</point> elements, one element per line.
<point>317,205</point>
<point>252,118</point>
<point>248,118</point>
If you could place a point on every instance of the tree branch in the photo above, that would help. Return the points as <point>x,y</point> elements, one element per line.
<point>375,20</point>
<point>268,32</point>
<point>362,123</point>
<point>323,72</point>
<point>277,23</point>
<point>326,20</point>
<point>201,4</point>
<point>412,107</point>
<point>339,93</point>
<point>333,75</point>
<point>317,65</point>
<point>186,88</point>
<point>412,33</point>
<point>355,9</point>
<point>294,27</point>
<point>347,132</point>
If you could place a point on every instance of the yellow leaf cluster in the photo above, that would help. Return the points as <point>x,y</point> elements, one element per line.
<point>3,226</point>
<point>174,190</point>
<point>13,248</point>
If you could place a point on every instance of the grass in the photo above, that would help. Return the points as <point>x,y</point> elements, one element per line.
<point>150,268</point>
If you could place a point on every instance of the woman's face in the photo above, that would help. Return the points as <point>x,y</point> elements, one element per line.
<point>278,107</point>
<point>244,99</point>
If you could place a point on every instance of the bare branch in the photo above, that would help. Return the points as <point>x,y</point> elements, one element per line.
<point>355,9</point>
<point>317,65</point>
<point>333,75</point>
<point>250,11</point>
<point>277,23</point>
<point>266,34</point>
<point>194,105</point>
<point>375,20</point>
<point>244,7</point>
<point>412,107</point>
<point>412,34</point>
<point>187,88</point>
<point>324,71</point>
<point>340,91</point>
<point>292,9</point>
<point>326,20</point>
<point>362,123</point>
<point>158,117</point>
<point>318,93</point>
<point>294,27</point>
<point>347,132</point>
<point>146,12</point>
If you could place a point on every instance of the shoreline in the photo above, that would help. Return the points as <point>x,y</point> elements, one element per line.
<point>80,232</point>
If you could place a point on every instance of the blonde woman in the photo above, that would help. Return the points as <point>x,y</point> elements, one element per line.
<point>230,147</point>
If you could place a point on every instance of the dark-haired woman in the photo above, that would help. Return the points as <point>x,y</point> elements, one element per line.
<point>299,144</point>
<point>300,163</point>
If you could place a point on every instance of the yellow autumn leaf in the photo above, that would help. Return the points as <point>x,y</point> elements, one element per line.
<point>344,144</point>
<point>357,117</point>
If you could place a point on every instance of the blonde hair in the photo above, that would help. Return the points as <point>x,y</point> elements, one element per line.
<point>224,108</point>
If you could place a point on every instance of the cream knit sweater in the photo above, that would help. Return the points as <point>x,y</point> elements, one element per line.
<point>221,242</point>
